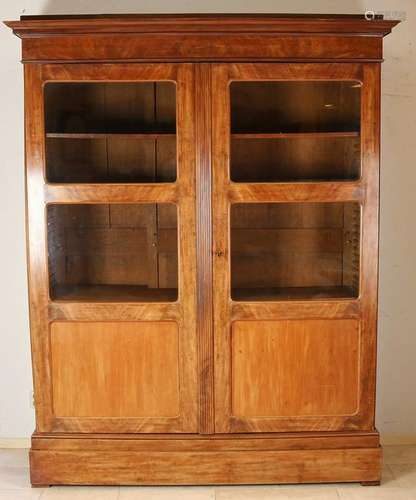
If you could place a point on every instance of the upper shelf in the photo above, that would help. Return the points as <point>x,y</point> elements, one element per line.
<point>295,135</point>
<point>120,135</point>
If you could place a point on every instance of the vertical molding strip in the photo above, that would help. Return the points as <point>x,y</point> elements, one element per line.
<point>204,248</point>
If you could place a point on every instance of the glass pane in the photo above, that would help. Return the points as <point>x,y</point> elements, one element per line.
<point>113,252</point>
<point>295,250</point>
<point>293,131</point>
<point>110,132</point>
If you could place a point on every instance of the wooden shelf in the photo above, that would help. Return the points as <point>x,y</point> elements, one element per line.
<point>121,135</point>
<point>295,135</point>
<point>292,293</point>
<point>113,293</point>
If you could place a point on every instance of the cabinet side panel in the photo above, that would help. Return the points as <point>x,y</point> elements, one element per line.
<point>370,137</point>
<point>36,244</point>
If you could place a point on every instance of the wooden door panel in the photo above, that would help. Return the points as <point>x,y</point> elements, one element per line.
<point>115,369</point>
<point>295,368</point>
<point>295,246</point>
<point>112,340</point>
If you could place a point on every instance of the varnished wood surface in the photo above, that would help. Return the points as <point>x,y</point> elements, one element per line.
<point>213,442</point>
<point>370,245</point>
<point>293,135</point>
<point>157,47</point>
<point>115,369</point>
<point>118,311</point>
<point>204,250</point>
<point>113,293</point>
<point>202,467</point>
<point>291,192</point>
<point>110,193</point>
<point>237,37</point>
<point>118,135</point>
<point>291,293</point>
<point>294,368</point>
<point>323,23</point>
<point>295,309</point>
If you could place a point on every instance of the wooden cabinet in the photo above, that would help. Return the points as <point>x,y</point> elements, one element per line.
<point>202,223</point>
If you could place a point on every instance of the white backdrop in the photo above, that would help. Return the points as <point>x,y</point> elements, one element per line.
<point>396,401</point>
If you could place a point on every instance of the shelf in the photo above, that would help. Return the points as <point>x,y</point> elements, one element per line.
<point>295,135</point>
<point>121,135</point>
<point>292,293</point>
<point>113,293</point>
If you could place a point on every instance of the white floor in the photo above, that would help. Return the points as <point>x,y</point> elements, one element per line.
<point>399,483</point>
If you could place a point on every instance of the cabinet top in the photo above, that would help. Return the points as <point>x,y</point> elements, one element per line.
<point>201,38</point>
<point>191,23</point>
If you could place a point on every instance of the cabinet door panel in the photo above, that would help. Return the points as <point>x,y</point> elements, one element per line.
<point>295,151</point>
<point>111,239</point>
<point>294,368</point>
<point>115,369</point>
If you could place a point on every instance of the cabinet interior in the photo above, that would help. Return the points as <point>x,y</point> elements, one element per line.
<point>295,250</point>
<point>113,252</point>
<point>294,131</point>
<point>110,132</point>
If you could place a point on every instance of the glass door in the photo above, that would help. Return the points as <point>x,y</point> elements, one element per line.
<point>289,194</point>
<point>118,223</point>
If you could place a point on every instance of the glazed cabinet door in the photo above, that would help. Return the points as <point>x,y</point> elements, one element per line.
<point>111,238</point>
<point>295,217</point>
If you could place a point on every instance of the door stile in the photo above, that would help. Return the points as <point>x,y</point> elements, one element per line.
<point>204,248</point>
<point>221,258</point>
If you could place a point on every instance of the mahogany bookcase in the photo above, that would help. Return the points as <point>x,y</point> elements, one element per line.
<point>202,227</point>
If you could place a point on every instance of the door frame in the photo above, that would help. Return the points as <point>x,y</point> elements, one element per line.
<point>363,191</point>
<point>43,310</point>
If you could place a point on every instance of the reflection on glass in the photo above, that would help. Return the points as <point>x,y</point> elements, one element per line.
<point>295,250</point>
<point>113,252</point>
<point>110,132</point>
<point>292,131</point>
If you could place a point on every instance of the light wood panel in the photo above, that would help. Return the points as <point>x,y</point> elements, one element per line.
<point>213,442</point>
<point>111,193</point>
<point>115,369</point>
<point>226,467</point>
<point>295,368</point>
<point>295,309</point>
<point>295,192</point>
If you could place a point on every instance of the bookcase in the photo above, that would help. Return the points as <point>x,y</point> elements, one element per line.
<point>202,227</point>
